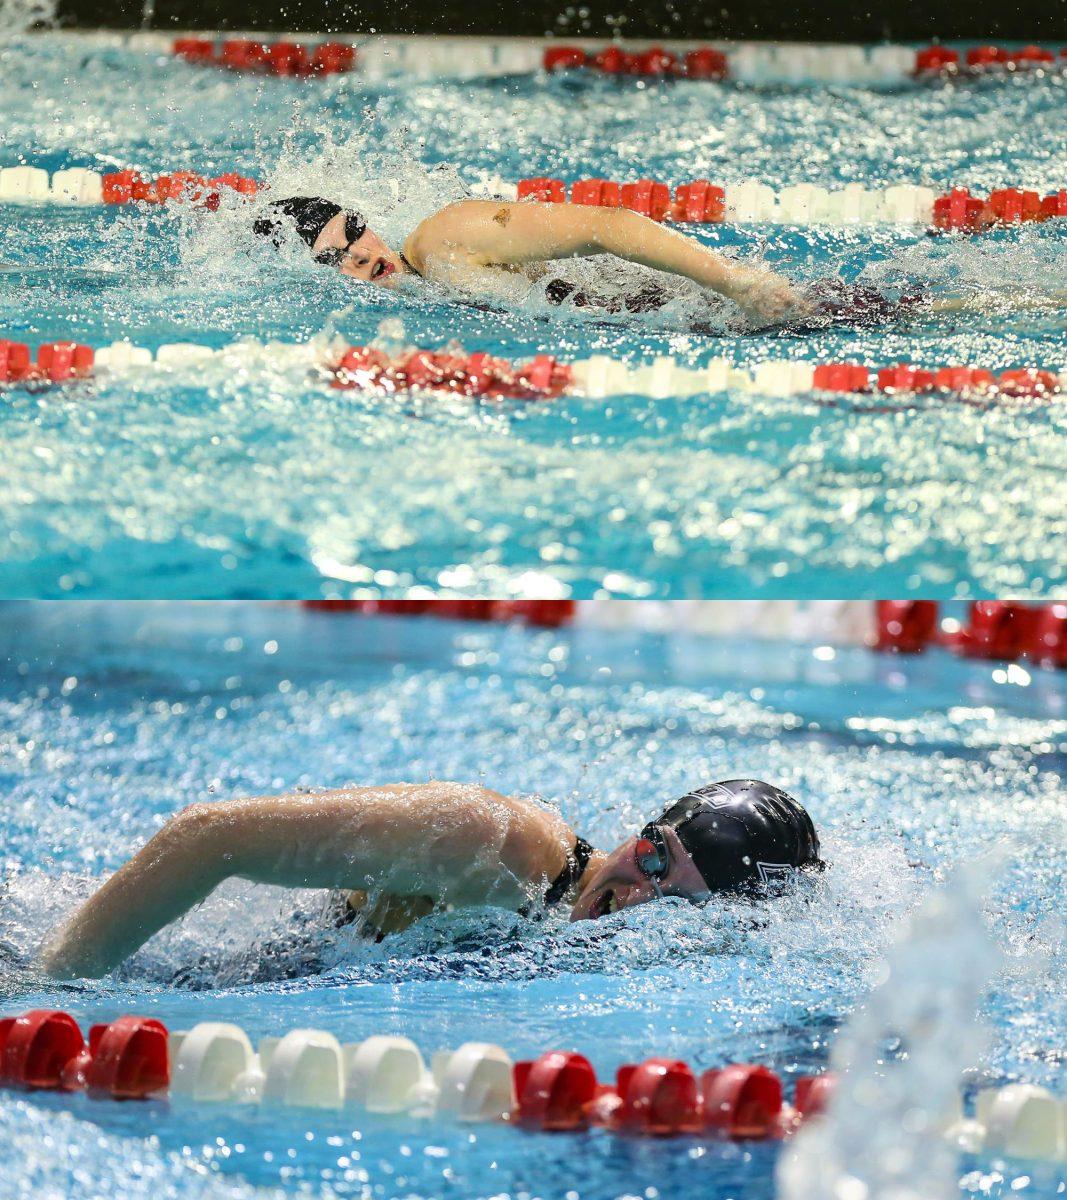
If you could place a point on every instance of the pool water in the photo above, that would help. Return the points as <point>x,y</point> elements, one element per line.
<point>259,481</point>
<point>113,716</point>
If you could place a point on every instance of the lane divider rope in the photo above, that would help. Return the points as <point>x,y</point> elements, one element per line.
<point>751,64</point>
<point>1001,630</point>
<point>695,202</point>
<point>484,376</point>
<point>752,202</point>
<point>793,64</point>
<point>138,1058</point>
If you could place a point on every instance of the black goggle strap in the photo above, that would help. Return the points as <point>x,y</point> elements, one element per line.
<point>355,228</point>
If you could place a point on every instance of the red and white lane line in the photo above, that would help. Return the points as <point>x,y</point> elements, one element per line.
<point>793,63</point>
<point>999,630</point>
<point>480,375</point>
<point>138,1058</point>
<point>81,187</point>
<point>751,202</point>
<point>753,64</point>
<point>696,202</point>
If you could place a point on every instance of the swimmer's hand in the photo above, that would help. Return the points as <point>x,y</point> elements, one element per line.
<point>764,297</point>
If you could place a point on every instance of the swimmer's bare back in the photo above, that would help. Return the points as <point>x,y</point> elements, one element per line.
<point>475,244</point>
<point>452,844</point>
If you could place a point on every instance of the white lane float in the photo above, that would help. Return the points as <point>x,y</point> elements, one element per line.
<point>385,1075</point>
<point>207,1062</point>
<point>474,1083</point>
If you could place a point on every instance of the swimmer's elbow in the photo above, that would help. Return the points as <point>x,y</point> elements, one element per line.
<point>618,230</point>
<point>195,831</point>
<point>195,819</point>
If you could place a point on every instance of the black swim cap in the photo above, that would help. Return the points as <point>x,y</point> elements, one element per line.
<point>308,214</point>
<point>743,832</point>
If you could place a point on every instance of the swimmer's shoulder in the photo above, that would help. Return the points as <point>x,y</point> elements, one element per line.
<point>447,229</point>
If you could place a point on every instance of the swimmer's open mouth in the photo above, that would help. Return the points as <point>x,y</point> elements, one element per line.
<point>603,905</point>
<point>382,269</point>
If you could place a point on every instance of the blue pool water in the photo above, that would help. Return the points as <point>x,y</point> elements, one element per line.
<point>259,482</point>
<point>111,717</point>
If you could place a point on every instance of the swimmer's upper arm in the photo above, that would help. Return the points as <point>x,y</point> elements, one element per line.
<point>498,231</point>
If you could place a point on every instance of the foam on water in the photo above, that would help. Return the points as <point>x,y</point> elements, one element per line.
<point>901,1060</point>
<point>16,16</point>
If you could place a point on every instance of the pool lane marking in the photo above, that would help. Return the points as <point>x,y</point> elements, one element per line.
<point>366,368</point>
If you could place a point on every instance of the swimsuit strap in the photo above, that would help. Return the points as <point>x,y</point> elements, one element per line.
<point>403,259</point>
<point>573,870</point>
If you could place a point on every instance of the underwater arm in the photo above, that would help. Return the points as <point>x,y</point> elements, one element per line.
<point>498,232</point>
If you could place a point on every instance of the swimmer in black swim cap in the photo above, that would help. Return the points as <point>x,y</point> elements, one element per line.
<point>740,836</point>
<point>398,852</point>
<point>498,249</point>
<point>337,237</point>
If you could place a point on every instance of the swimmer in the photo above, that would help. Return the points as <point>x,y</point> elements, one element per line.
<point>483,247</point>
<point>400,852</point>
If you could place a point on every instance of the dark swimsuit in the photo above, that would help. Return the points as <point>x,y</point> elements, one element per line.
<point>573,869</point>
<point>835,303</point>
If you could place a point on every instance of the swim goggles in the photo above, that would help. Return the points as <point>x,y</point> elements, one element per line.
<point>355,228</point>
<point>652,856</point>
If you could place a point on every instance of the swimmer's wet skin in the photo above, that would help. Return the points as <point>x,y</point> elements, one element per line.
<point>480,246</point>
<point>404,850</point>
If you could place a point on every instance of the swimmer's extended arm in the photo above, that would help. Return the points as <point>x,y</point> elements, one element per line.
<point>461,845</point>
<point>496,233</point>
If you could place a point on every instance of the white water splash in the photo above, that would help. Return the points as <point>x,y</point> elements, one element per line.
<point>16,16</point>
<point>900,1060</point>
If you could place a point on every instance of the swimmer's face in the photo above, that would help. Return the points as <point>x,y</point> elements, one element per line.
<point>620,882</point>
<point>368,258</point>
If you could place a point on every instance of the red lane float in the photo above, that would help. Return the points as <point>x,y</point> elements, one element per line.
<point>999,630</point>
<point>743,1101</point>
<point>905,626</point>
<point>813,1094</point>
<point>842,377</point>
<point>126,1060</point>
<point>555,1092</point>
<point>981,60</point>
<point>291,59</point>
<point>130,187</point>
<point>365,369</point>
<point>996,629</point>
<point>1048,638</point>
<point>543,613</point>
<point>57,362</point>
<point>36,1047</point>
<point>661,1097</point>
